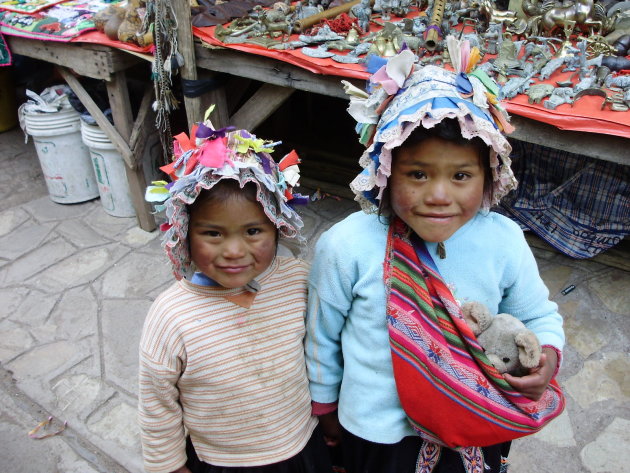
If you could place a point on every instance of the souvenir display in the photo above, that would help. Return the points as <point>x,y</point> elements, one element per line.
<point>523,49</point>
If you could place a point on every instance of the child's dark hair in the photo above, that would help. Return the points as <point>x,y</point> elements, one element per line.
<point>223,191</point>
<point>450,130</point>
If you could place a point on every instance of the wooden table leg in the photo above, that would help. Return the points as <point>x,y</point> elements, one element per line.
<point>123,120</point>
<point>263,103</point>
<point>217,97</point>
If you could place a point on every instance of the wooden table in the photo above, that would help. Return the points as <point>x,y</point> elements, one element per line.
<point>281,79</point>
<point>109,64</point>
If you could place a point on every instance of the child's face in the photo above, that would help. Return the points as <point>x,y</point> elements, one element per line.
<point>231,242</point>
<point>436,187</point>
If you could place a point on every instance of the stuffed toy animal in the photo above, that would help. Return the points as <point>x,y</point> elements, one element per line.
<point>509,345</point>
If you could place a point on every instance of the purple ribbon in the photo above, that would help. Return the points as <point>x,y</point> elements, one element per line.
<point>433,27</point>
<point>204,131</point>
<point>266,162</point>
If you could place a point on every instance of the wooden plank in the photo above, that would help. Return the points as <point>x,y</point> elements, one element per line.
<point>185,44</point>
<point>144,124</point>
<point>605,147</point>
<point>235,89</point>
<point>138,134</point>
<point>137,187</point>
<point>218,97</point>
<point>104,124</point>
<point>119,102</point>
<point>121,59</point>
<point>262,104</point>
<point>270,71</point>
<point>90,60</point>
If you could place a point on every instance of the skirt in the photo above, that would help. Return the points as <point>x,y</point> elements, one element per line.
<point>363,456</point>
<point>314,458</point>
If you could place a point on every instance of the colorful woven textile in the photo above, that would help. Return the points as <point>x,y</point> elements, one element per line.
<point>61,22</point>
<point>5,53</point>
<point>579,205</point>
<point>27,6</point>
<point>451,393</point>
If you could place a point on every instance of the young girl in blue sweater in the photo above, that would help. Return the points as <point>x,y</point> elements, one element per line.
<point>436,162</point>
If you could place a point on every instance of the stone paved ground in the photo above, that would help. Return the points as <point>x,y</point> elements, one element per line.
<point>75,285</point>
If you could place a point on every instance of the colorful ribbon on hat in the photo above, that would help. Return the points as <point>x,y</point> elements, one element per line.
<point>209,148</point>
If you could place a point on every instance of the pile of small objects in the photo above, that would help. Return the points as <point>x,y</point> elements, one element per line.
<point>589,38</point>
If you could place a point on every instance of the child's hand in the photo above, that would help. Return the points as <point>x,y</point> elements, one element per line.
<point>331,428</point>
<point>533,385</point>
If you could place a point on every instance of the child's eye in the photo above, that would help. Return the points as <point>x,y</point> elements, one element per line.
<point>253,231</point>
<point>212,233</point>
<point>461,176</point>
<point>417,175</point>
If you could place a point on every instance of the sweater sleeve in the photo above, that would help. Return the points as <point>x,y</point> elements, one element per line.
<point>329,300</point>
<point>527,298</point>
<point>159,412</point>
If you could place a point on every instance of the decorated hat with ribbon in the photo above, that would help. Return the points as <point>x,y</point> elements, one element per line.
<point>404,95</point>
<point>209,156</point>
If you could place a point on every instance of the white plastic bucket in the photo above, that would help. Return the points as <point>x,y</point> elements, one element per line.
<point>109,168</point>
<point>65,160</point>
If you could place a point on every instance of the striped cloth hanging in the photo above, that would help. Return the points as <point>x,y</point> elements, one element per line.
<point>451,393</point>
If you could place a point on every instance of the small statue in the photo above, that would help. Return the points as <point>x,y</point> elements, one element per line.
<point>362,12</point>
<point>559,96</point>
<point>387,7</point>
<point>584,84</point>
<point>538,92</point>
<point>275,21</point>
<point>419,25</point>
<point>550,67</point>
<point>402,9</point>
<point>494,37</point>
<point>491,15</point>
<point>388,41</point>
<point>508,54</point>
<point>571,59</point>
<point>304,10</point>
<point>322,35</point>
<point>320,51</point>
<point>569,15</point>
<point>516,85</point>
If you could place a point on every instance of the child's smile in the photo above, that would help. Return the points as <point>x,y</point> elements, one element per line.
<point>436,187</point>
<point>231,242</point>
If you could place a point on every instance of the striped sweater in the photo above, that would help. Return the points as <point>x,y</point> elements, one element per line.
<point>228,370</point>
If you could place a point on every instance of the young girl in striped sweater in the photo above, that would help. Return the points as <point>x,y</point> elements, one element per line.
<point>223,385</point>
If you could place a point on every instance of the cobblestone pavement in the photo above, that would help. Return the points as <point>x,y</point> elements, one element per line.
<point>76,283</point>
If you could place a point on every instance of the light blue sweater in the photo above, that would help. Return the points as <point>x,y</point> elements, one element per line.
<point>347,344</point>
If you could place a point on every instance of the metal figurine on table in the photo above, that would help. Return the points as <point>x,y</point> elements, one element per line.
<point>363,13</point>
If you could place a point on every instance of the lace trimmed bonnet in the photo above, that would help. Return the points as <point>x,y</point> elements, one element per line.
<point>404,95</point>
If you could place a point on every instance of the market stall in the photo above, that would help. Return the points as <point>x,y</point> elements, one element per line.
<point>588,123</point>
<point>63,34</point>
<point>579,112</point>
<point>290,46</point>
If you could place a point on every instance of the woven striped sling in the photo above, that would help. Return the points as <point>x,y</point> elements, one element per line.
<point>451,393</point>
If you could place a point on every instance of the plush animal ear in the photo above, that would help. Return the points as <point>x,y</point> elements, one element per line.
<point>528,348</point>
<point>477,316</point>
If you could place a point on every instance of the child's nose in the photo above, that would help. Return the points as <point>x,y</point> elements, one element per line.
<point>438,193</point>
<point>233,248</point>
